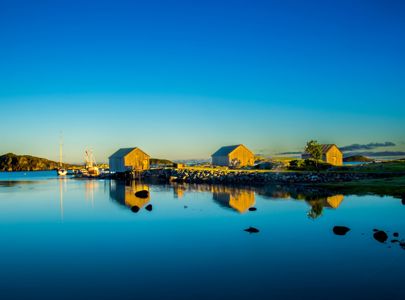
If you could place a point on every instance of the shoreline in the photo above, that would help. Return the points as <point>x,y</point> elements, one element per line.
<point>387,183</point>
<point>344,182</point>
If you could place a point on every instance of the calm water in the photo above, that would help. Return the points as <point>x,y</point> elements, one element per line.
<point>79,239</point>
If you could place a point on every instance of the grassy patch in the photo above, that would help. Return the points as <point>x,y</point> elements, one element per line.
<point>381,167</point>
<point>393,186</point>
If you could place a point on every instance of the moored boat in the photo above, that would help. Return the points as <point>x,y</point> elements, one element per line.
<point>91,167</point>
<point>61,171</point>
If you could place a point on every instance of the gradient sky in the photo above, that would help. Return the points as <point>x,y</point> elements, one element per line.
<point>181,78</point>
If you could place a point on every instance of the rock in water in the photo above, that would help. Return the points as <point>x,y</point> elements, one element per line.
<point>396,234</point>
<point>381,236</point>
<point>142,194</point>
<point>252,230</point>
<point>341,230</point>
<point>135,209</point>
<point>252,209</point>
<point>149,207</point>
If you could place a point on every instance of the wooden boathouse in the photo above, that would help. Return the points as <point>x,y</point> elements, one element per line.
<point>233,156</point>
<point>129,160</point>
<point>330,154</point>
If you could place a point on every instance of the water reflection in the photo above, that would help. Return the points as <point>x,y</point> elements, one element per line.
<point>124,193</point>
<point>317,199</point>
<point>238,199</point>
<point>178,190</point>
<point>13,183</point>
<point>318,204</point>
<point>62,184</point>
<point>90,186</point>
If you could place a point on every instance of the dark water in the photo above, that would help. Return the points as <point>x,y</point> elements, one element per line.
<point>79,239</point>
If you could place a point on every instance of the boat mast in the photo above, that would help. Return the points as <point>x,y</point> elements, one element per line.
<point>60,151</point>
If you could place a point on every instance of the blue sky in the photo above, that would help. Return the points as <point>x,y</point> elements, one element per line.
<point>181,78</point>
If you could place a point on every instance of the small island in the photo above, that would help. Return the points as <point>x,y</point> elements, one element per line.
<point>357,158</point>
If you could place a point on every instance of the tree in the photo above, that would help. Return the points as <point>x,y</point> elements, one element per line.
<point>316,210</point>
<point>235,163</point>
<point>314,149</point>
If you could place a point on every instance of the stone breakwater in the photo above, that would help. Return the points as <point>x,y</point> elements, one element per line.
<point>254,178</point>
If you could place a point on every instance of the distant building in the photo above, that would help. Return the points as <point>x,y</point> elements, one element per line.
<point>178,165</point>
<point>236,156</point>
<point>330,154</point>
<point>129,159</point>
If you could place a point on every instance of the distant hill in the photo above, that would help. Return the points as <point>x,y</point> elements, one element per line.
<point>160,162</point>
<point>12,162</point>
<point>357,158</point>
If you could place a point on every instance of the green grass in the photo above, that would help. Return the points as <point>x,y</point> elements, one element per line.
<point>224,169</point>
<point>397,166</point>
<point>393,186</point>
<point>390,166</point>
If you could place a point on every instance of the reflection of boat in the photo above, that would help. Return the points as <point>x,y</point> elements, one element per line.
<point>61,208</point>
<point>238,199</point>
<point>125,193</point>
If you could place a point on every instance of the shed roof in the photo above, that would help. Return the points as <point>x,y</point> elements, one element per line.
<point>325,148</point>
<point>124,152</point>
<point>226,150</point>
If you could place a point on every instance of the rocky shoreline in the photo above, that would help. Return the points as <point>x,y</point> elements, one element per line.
<point>256,178</point>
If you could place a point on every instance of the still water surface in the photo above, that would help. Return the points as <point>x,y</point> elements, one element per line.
<point>67,238</point>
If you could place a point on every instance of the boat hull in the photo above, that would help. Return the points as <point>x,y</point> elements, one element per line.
<point>62,172</point>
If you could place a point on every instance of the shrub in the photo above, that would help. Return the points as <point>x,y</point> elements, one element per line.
<point>309,165</point>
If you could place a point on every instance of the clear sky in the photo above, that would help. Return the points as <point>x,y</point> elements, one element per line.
<point>181,78</point>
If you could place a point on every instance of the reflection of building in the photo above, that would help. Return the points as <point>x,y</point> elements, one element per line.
<point>334,201</point>
<point>178,191</point>
<point>317,205</point>
<point>238,199</point>
<point>129,159</point>
<point>237,156</point>
<point>330,154</point>
<point>125,194</point>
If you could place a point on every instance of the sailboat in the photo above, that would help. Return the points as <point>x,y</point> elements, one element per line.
<point>61,171</point>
